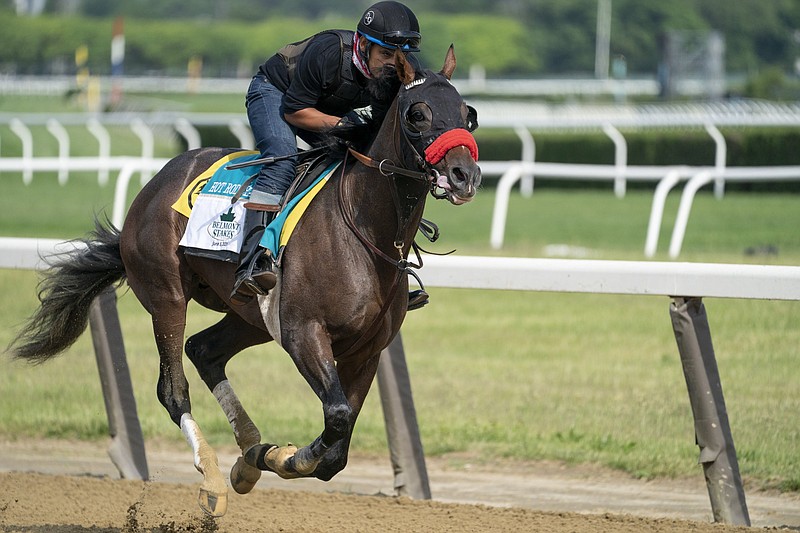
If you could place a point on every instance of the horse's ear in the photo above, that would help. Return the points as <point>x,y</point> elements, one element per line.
<point>405,70</point>
<point>449,63</point>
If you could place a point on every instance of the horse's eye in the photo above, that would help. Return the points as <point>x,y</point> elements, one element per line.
<point>470,116</point>
<point>419,117</point>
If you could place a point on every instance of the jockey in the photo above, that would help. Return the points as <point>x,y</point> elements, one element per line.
<point>306,89</point>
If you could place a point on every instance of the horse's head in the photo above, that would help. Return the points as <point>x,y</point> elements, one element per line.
<point>439,125</point>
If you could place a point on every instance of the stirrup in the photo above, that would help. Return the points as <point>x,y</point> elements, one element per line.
<point>244,290</point>
<point>252,282</point>
<point>416,299</point>
<point>262,281</point>
<point>241,293</point>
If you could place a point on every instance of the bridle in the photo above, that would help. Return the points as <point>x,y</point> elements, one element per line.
<point>388,168</point>
<point>436,145</point>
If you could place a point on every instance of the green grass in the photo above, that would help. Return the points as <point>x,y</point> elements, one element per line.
<point>496,374</point>
<point>612,228</point>
<point>578,378</point>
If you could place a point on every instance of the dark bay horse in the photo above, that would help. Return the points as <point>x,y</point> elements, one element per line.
<point>341,294</point>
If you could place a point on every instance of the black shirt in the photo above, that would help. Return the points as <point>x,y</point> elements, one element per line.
<point>317,75</point>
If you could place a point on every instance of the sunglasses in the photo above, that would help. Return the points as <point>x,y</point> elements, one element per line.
<point>407,41</point>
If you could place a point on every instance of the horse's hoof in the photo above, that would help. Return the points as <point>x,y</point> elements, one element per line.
<point>243,476</point>
<point>278,459</point>
<point>213,503</point>
<point>304,462</point>
<point>255,456</point>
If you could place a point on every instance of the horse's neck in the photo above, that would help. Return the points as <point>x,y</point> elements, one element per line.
<point>379,198</point>
<point>389,144</point>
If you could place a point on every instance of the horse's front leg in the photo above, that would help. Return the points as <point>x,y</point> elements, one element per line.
<point>356,379</point>
<point>312,354</point>
<point>173,393</point>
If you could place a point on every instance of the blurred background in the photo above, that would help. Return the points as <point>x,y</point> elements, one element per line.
<point>748,48</point>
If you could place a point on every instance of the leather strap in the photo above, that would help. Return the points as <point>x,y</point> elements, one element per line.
<point>387,169</point>
<point>271,208</point>
<point>344,204</point>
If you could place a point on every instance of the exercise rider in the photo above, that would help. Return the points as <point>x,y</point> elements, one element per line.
<point>304,90</point>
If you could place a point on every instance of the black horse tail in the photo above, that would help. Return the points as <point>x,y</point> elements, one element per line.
<point>66,291</point>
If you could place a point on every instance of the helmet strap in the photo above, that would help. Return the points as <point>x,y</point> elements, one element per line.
<point>361,59</point>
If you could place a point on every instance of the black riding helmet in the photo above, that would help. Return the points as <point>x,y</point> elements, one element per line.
<point>391,25</point>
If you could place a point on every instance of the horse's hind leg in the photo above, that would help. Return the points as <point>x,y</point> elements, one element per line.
<point>210,350</point>
<point>169,323</point>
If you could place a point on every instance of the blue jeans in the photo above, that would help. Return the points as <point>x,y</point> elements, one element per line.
<point>273,135</point>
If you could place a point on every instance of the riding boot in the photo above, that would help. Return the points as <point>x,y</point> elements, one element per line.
<point>417,299</point>
<point>256,271</point>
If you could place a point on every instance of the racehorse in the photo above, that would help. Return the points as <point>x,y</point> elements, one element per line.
<point>341,294</point>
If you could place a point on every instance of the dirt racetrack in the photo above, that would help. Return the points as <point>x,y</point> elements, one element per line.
<point>64,504</point>
<point>64,487</point>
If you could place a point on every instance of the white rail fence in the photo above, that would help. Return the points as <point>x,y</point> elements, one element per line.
<point>522,117</point>
<point>666,178</point>
<point>127,167</point>
<point>689,321</point>
<point>143,126</point>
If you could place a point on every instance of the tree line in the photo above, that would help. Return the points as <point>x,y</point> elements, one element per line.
<point>505,37</point>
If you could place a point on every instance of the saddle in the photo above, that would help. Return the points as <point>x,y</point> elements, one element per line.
<point>311,165</point>
<point>215,203</point>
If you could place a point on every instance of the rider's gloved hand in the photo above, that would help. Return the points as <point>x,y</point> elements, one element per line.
<point>355,128</point>
<point>353,121</point>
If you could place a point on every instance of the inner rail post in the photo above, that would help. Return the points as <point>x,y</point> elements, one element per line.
<point>711,425</point>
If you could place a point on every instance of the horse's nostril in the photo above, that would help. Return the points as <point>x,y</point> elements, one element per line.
<point>458,175</point>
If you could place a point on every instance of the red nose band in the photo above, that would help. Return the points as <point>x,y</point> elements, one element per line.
<point>449,140</point>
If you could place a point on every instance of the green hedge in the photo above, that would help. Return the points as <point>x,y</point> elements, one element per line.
<point>745,147</point>
<point>213,136</point>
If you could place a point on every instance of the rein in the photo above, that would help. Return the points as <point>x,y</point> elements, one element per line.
<point>402,265</point>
